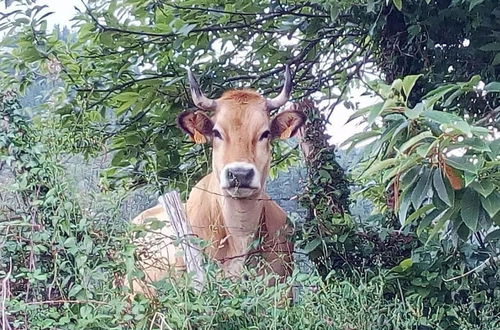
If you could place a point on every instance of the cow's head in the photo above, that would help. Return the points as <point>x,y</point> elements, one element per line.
<point>240,129</point>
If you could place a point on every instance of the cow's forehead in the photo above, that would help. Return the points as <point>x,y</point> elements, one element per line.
<point>242,109</point>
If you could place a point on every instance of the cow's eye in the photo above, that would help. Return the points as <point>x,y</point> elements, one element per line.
<point>265,135</point>
<point>216,134</point>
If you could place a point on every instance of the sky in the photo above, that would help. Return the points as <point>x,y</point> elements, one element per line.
<point>64,10</point>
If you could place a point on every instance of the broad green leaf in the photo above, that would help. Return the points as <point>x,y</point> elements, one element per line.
<point>440,187</point>
<point>470,209</point>
<point>397,84</point>
<point>364,111</point>
<point>439,222</point>
<point>376,111</point>
<point>405,264</point>
<point>474,3</point>
<point>415,111</point>
<point>493,87</point>
<point>404,204</point>
<point>462,126</point>
<point>442,117</point>
<point>414,140</point>
<point>480,131</point>
<point>360,137</point>
<point>452,97</point>
<point>493,236</point>
<point>409,82</point>
<point>126,96</point>
<point>418,213</point>
<point>310,246</point>
<point>496,60</point>
<point>75,290</point>
<point>491,204</point>
<point>405,164</point>
<point>398,4</point>
<point>423,149</point>
<point>439,92</point>
<point>426,221</point>
<point>495,148</point>
<point>410,176</point>
<point>490,47</point>
<point>463,163</point>
<point>469,178</point>
<point>421,190</point>
<point>476,144</point>
<point>379,166</point>
<point>127,104</point>
<point>484,187</point>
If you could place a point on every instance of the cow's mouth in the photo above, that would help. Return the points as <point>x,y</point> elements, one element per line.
<point>241,192</point>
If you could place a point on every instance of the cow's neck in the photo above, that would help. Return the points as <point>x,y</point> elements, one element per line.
<point>241,219</point>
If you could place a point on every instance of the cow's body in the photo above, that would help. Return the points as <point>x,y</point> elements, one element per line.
<point>229,208</point>
<point>205,216</point>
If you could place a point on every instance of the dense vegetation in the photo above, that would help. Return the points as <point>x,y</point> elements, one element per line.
<point>426,257</point>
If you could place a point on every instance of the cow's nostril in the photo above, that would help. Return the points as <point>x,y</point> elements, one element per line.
<point>240,177</point>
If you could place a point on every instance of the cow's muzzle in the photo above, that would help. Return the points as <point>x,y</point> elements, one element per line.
<point>240,179</point>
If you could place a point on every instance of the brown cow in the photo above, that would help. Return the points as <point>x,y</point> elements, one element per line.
<point>229,208</point>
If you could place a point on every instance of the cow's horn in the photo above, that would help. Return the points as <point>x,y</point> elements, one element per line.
<point>283,97</point>
<point>199,99</point>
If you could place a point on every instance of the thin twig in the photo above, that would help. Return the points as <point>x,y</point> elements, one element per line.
<point>481,266</point>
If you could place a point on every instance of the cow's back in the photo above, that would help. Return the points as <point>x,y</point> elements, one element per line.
<point>158,257</point>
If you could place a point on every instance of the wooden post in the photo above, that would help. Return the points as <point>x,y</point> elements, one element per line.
<point>171,202</point>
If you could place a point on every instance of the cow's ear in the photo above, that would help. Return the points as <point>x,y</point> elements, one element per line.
<point>287,124</point>
<point>197,125</point>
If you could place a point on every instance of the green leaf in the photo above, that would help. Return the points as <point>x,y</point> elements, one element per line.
<point>410,176</point>
<point>440,187</point>
<point>476,144</point>
<point>398,4</point>
<point>184,30</point>
<point>493,236</point>
<point>491,203</point>
<point>414,140</point>
<point>462,126</point>
<point>365,110</point>
<point>359,137</point>
<point>474,3</point>
<point>376,111</point>
<point>379,166</point>
<point>492,46</point>
<point>405,164</point>
<point>75,290</point>
<point>493,87</point>
<point>312,245</point>
<point>470,209</point>
<point>439,222</point>
<point>405,264</point>
<point>416,111</point>
<point>418,213</point>
<point>409,82</point>
<point>422,188</point>
<point>70,242</point>
<point>442,117</point>
<point>496,60</point>
<point>484,187</point>
<point>404,205</point>
<point>426,221</point>
<point>463,163</point>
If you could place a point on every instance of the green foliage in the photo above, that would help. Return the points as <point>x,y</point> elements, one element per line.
<point>442,176</point>
<point>124,72</point>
